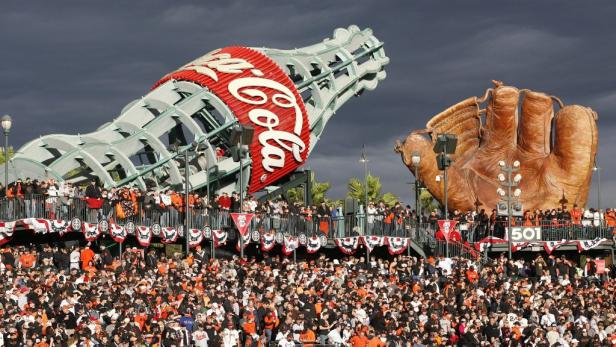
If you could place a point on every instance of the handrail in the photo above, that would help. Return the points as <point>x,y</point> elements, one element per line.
<point>296,224</point>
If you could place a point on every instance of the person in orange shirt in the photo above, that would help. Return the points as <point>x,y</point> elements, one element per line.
<point>27,260</point>
<point>177,201</point>
<point>308,336</point>
<point>250,326</point>
<point>378,341</point>
<point>87,255</point>
<point>528,218</point>
<point>141,319</point>
<point>610,217</point>
<point>471,275</point>
<point>270,322</point>
<point>359,339</point>
<point>162,267</point>
<point>576,215</point>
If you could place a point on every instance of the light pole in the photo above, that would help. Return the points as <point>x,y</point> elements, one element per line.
<point>241,137</point>
<point>416,159</point>
<point>364,159</point>
<point>6,123</point>
<point>597,169</point>
<point>438,179</point>
<point>509,197</point>
<point>192,148</point>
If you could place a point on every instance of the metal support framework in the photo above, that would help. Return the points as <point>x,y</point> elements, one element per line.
<point>132,148</point>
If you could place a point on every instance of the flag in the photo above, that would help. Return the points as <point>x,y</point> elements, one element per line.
<point>347,245</point>
<point>585,245</point>
<point>397,245</point>
<point>372,241</point>
<point>551,246</point>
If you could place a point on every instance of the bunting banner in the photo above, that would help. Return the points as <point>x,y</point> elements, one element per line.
<point>516,246</point>
<point>195,237</point>
<point>220,237</point>
<point>487,241</point>
<point>551,246</point>
<point>76,225</point>
<point>144,235</point>
<point>156,229</point>
<point>279,237</point>
<point>585,245</point>
<point>59,226</point>
<point>6,232</point>
<point>103,226</point>
<point>169,235</point>
<point>372,241</point>
<point>268,241</point>
<point>313,244</point>
<point>245,238</point>
<point>207,232</point>
<point>290,244</point>
<point>323,238</point>
<point>90,231</point>
<point>118,233</point>
<point>347,245</point>
<point>397,245</point>
<point>242,221</point>
<point>129,228</point>
<point>303,239</point>
<point>39,226</point>
<point>256,236</point>
<point>445,227</point>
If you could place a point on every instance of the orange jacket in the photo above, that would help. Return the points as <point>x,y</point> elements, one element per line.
<point>576,216</point>
<point>250,327</point>
<point>472,276</point>
<point>86,256</point>
<point>308,336</point>
<point>27,260</point>
<point>376,342</point>
<point>359,341</point>
<point>610,219</point>
<point>270,322</point>
<point>177,201</point>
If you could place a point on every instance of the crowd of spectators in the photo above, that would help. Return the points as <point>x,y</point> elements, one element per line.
<point>87,297</point>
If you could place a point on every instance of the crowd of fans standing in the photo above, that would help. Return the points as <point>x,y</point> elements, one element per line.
<point>86,297</point>
<point>62,200</point>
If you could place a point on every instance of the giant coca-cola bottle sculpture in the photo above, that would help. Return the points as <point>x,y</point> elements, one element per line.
<point>286,95</point>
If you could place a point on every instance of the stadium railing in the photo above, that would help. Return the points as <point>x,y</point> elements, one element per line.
<point>140,213</point>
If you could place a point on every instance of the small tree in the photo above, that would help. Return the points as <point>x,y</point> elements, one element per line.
<point>427,201</point>
<point>3,154</point>
<point>357,189</point>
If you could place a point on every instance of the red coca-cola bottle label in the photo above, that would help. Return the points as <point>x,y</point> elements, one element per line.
<point>260,94</point>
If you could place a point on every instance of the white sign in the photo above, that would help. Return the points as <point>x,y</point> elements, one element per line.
<point>525,234</point>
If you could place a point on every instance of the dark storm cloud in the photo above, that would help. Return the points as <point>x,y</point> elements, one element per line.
<point>68,67</point>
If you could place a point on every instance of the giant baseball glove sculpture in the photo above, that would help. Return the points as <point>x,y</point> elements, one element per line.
<point>554,160</point>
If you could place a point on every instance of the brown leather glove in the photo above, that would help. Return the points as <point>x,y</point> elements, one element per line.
<point>554,160</point>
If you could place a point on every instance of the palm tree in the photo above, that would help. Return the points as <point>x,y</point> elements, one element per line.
<point>427,201</point>
<point>357,190</point>
<point>318,191</point>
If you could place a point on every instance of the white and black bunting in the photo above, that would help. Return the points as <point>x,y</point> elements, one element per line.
<point>268,241</point>
<point>265,240</point>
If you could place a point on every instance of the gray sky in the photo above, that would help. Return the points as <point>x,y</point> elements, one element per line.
<point>70,66</point>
